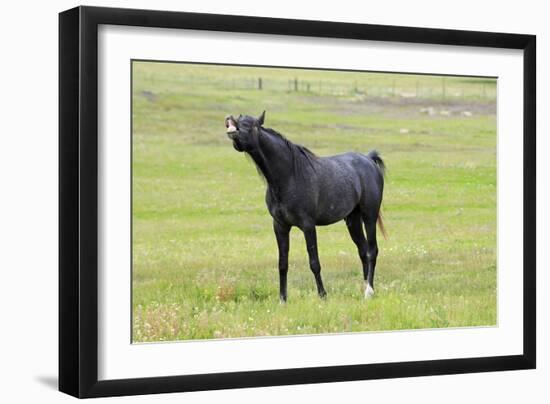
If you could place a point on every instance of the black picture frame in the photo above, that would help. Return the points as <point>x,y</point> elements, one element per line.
<point>78,201</point>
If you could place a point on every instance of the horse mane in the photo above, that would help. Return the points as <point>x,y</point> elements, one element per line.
<point>300,155</point>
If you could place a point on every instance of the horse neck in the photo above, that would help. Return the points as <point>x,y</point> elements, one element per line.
<point>273,159</point>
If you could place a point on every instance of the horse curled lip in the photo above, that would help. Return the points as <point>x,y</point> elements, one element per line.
<point>231,127</point>
<point>230,124</point>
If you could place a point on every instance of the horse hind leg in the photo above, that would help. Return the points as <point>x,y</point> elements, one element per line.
<point>372,254</point>
<point>354,222</point>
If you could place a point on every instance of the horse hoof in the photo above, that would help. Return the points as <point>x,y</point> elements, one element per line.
<point>369,292</point>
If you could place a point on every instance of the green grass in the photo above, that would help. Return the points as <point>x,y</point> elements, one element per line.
<point>204,254</point>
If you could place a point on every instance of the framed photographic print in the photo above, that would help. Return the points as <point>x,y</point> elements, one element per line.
<point>249,201</point>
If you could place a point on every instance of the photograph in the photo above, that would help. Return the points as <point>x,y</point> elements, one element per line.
<point>252,199</point>
<point>272,201</point>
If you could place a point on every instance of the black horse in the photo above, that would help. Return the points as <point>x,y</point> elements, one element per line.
<point>305,191</point>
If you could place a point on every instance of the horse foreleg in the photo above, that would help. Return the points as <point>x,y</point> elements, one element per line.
<point>282,235</point>
<point>310,234</point>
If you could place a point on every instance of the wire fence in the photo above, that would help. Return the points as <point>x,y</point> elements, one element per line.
<point>444,88</point>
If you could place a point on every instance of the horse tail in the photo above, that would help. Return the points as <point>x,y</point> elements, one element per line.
<point>375,157</point>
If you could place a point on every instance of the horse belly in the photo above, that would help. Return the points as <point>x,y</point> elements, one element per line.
<point>335,208</point>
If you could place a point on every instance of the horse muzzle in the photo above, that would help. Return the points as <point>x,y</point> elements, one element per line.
<point>231,126</point>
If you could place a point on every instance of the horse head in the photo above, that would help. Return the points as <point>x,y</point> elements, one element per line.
<point>244,131</point>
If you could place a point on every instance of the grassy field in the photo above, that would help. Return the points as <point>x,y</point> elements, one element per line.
<point>204,254</point>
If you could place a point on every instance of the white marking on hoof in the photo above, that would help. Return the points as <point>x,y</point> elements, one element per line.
<point>369,291</point>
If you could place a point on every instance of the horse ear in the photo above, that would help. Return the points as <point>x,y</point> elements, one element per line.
<point>261,119</point>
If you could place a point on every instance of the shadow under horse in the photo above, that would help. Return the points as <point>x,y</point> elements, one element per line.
<point>305,191</point>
